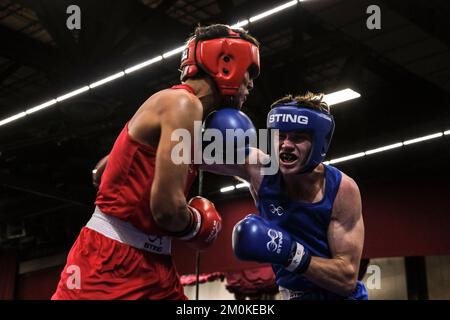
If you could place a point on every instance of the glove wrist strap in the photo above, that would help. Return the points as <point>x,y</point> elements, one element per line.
<point>300,260</point>
<point>193,227</point>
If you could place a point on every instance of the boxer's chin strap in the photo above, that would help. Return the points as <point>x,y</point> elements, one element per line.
<point>300,259</point>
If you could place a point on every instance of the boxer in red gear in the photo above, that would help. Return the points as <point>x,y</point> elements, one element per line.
<point>124,250</point>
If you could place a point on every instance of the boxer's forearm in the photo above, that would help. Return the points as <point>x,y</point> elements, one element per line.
<point>231,169</point>
<point>225,169</point>
<point>335,275</point>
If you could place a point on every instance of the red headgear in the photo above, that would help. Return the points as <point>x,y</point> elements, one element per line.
<point>225,59</point>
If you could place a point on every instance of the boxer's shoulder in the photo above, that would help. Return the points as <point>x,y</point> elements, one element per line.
<point>348,198</point>
<point>169,107</point>
<point>172,102</point>
<point>347,183</point>
<point>179,102</point>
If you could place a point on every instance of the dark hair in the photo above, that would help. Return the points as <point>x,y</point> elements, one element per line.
<point>309,100</point>
<point>219,31</point>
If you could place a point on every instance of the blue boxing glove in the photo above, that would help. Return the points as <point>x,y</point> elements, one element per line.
<point>256,239</point>
<point>236,131</point>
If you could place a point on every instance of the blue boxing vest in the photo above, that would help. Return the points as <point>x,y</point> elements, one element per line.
<point>308,224</point>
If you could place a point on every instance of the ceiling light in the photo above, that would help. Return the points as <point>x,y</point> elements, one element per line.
<point>272,11</point>
<point>227,189</point>
<point>107,79</point>
<point>143,64</point>
<point>424,138</point>
<point>340,96</point>
<point>72,94</point>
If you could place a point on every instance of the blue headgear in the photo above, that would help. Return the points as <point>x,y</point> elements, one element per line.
<point>292,116</point>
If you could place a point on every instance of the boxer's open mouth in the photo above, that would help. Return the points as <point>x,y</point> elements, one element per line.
<point>288,157</point>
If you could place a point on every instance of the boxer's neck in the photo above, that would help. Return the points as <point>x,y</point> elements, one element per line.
<point>306,187</point>
<point>204,89</point>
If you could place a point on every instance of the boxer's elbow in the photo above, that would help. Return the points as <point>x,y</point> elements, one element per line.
<point>348,281</point>
<point>169,213</point>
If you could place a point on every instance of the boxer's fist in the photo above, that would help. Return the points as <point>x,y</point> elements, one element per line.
<point>239,140</point>
<point>207,224</point>
<point>256,239</point>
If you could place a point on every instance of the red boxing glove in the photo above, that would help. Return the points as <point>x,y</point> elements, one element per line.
<point>206,224</point>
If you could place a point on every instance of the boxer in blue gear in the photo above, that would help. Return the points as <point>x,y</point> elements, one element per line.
<point>310,226</point>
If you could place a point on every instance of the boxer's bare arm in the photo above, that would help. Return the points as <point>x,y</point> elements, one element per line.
<point>167,199</point>
<point>250,171</point>
<point>346,239</point>
<point>98,171</point>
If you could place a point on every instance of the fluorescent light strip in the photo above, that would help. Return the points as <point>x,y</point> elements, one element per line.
<point>361,154</point>
<point>72,94</point>
<point>240,24</point>
<point>173,52</point>
<point>107,79</point>
<point>143,64</point>
<point>12,118</point>
<point>227,189</point>
<point>381,149</point>
<point>346,158</point>
<point>343,94</point>
<point>272,11</point>
<point>41,106</point>
<point>242,185</point>
<point>388,147</point>
<point>340,96</point>
<point>428,137</point>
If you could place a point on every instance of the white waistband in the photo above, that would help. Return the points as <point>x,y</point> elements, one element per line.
<point>124,232</point>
